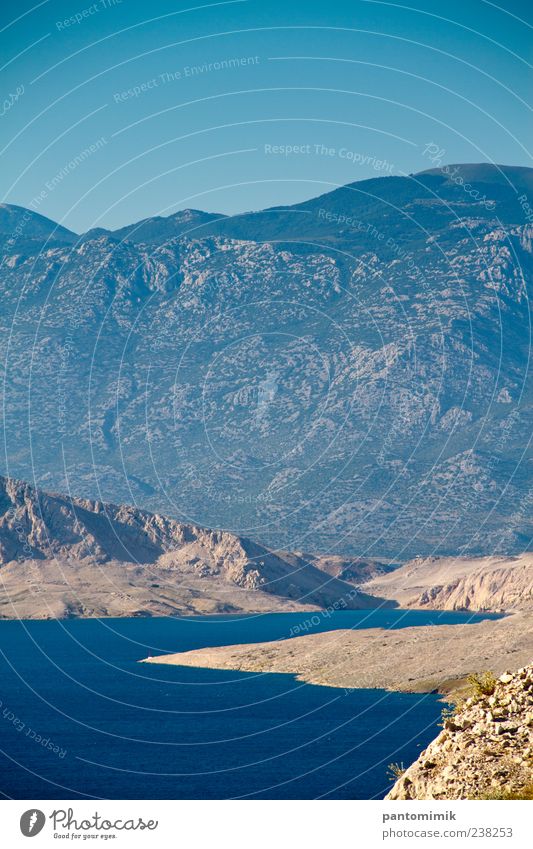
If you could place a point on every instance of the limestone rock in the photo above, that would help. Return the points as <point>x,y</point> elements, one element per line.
<point>479,755</point>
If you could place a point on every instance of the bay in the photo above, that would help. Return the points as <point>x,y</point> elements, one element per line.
<point>81,718</point>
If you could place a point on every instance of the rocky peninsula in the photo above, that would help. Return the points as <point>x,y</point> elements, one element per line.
<point>420,659</point>
<point>414,659</point>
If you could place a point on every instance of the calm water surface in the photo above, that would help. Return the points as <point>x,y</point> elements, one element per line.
<point>80,717</point>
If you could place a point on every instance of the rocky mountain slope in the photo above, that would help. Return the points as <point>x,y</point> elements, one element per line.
<point>350,374</point>
<point>64,557</point>
<point>28,231</point>
<point>459,583</point>
<point>485,749</point>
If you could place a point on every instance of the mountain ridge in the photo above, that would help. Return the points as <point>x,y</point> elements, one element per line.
<point>187,220</point>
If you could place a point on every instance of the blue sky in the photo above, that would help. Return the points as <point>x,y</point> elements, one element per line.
<point>114,111</point>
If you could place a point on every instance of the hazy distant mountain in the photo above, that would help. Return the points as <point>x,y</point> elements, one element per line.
<point>156,231</point>
<point>387,200</point>
<point>400,207</point>
<point>24,230</point>
<point>64,557</point>
<point>350,374</point>
<point>513,177</point>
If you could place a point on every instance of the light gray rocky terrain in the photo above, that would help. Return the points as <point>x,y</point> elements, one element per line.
<point>414,659</point>
<point>436,657</point>
<point>485,749</point>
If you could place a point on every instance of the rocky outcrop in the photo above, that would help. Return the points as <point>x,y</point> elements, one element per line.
<point>485,749</point>
<point>507,587</point>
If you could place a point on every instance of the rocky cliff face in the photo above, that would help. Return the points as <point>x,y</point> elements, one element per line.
<point>509,587</point>
<point>485,749</point>
<point>460,583</point>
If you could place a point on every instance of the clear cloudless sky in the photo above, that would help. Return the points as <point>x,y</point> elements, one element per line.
<point>115,111</point>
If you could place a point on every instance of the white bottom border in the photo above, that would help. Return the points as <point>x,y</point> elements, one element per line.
<point>267,824</point>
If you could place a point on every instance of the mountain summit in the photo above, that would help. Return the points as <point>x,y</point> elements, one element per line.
<point>25,230</point>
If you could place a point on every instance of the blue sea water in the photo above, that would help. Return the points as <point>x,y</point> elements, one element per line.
<point>81,718</point>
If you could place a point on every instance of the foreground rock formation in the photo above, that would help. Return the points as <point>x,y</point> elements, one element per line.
<point>485,749</point>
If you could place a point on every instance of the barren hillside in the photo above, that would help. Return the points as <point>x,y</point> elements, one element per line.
<point>418,659</point>
<point>460,583</point>
<point>67,557</point>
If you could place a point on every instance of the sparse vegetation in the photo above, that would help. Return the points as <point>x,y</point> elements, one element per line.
<point>395,771</point>
<point>477,685</point>
<point>486,748</point>
<point>482,684</point>
<point>447,713</point>
<point>499,793</point>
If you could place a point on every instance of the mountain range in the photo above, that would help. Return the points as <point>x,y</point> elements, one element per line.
<point>347,375</point>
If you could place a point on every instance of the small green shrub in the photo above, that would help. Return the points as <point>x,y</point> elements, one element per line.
<point>481,684</point>
<point>447,712</point>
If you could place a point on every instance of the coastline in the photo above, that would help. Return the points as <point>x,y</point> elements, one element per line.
<point>419,659</point>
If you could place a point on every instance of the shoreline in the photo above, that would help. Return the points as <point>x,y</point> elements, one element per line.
<point>418,659</point>
<point>326,612</point>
